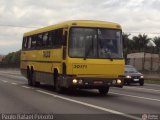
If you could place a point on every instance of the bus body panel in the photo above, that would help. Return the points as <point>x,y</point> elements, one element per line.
<point>41,61</point>
<point>99,67</point>
<point>92,71</point>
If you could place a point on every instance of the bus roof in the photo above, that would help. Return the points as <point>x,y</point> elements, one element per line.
<point>80,23</point>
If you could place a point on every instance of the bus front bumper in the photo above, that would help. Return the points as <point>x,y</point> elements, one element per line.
<point>91,83</point>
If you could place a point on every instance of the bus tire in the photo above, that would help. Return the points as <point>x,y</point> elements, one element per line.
<point>103,91</point>
<point>58,88</point>
<point>33,79</point>
<point>35,83</point>
<point>29,77</point>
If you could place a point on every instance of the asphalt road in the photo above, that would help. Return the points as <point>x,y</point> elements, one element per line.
<point>129,102</point>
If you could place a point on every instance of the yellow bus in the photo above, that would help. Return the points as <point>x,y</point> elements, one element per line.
<point>78,54</point>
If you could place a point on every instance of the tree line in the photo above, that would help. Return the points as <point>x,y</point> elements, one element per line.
<point>139,43</point>
<point>11,60</point>
<point>130,44</point>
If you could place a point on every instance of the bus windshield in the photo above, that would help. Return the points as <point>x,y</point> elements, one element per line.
<point>95,43</point>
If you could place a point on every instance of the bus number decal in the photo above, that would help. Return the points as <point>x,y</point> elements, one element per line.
<point>46,54</point>
<point>80,66</point>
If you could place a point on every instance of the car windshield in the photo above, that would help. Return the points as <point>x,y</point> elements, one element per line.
<point>130,69</point>
<point>95,43</point>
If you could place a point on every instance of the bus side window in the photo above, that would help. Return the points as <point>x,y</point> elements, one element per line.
<point>45,40</point>
<point>24,45</point>
<point>39,41</point>
<point>33,42</point>
<point>57,37</point>
<point>50,42</point>
<point>53,38</point>
<point>29,42</point>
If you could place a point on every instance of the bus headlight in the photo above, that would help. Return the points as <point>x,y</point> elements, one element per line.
<point>119,81</point>
<point>74,81</point>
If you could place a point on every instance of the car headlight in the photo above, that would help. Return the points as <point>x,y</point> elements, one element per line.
<point>128,76</point>
<point>141,76</point>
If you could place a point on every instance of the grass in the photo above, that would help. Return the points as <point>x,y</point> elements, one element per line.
<point>152,81</point>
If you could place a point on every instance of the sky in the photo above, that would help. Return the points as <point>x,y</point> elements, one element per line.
<point>20,16</point>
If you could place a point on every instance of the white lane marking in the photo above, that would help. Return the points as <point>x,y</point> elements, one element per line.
<point>5,81</point>
<point>136,96</point>
<point>19,77</point>
<point>142,89</point>
<point>26,87</point>
<point>16,76</point>
<point>14,83</point>
<point>90,105</point>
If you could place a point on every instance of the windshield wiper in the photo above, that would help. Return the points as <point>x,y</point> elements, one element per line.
<point>108,53</point>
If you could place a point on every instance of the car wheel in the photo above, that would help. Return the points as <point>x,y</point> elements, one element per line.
<point>128,83</point>
<point>141,83</point>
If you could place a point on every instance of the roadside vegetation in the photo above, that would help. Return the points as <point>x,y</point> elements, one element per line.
<point>139,44</point>
<point>152,81</point>
<point>11,60</point>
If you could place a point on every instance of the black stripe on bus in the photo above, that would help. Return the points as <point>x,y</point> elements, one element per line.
<point>22,69</point>
<point>41,61</point>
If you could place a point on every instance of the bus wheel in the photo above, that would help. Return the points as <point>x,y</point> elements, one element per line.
<point>58,88</point>
<point>33,79</point>
<point>104,90</point>
<point>29,77</point>
<point>35,83</point>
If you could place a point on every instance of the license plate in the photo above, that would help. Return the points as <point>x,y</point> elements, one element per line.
<point>136,79</point>
<point>98,82</point>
